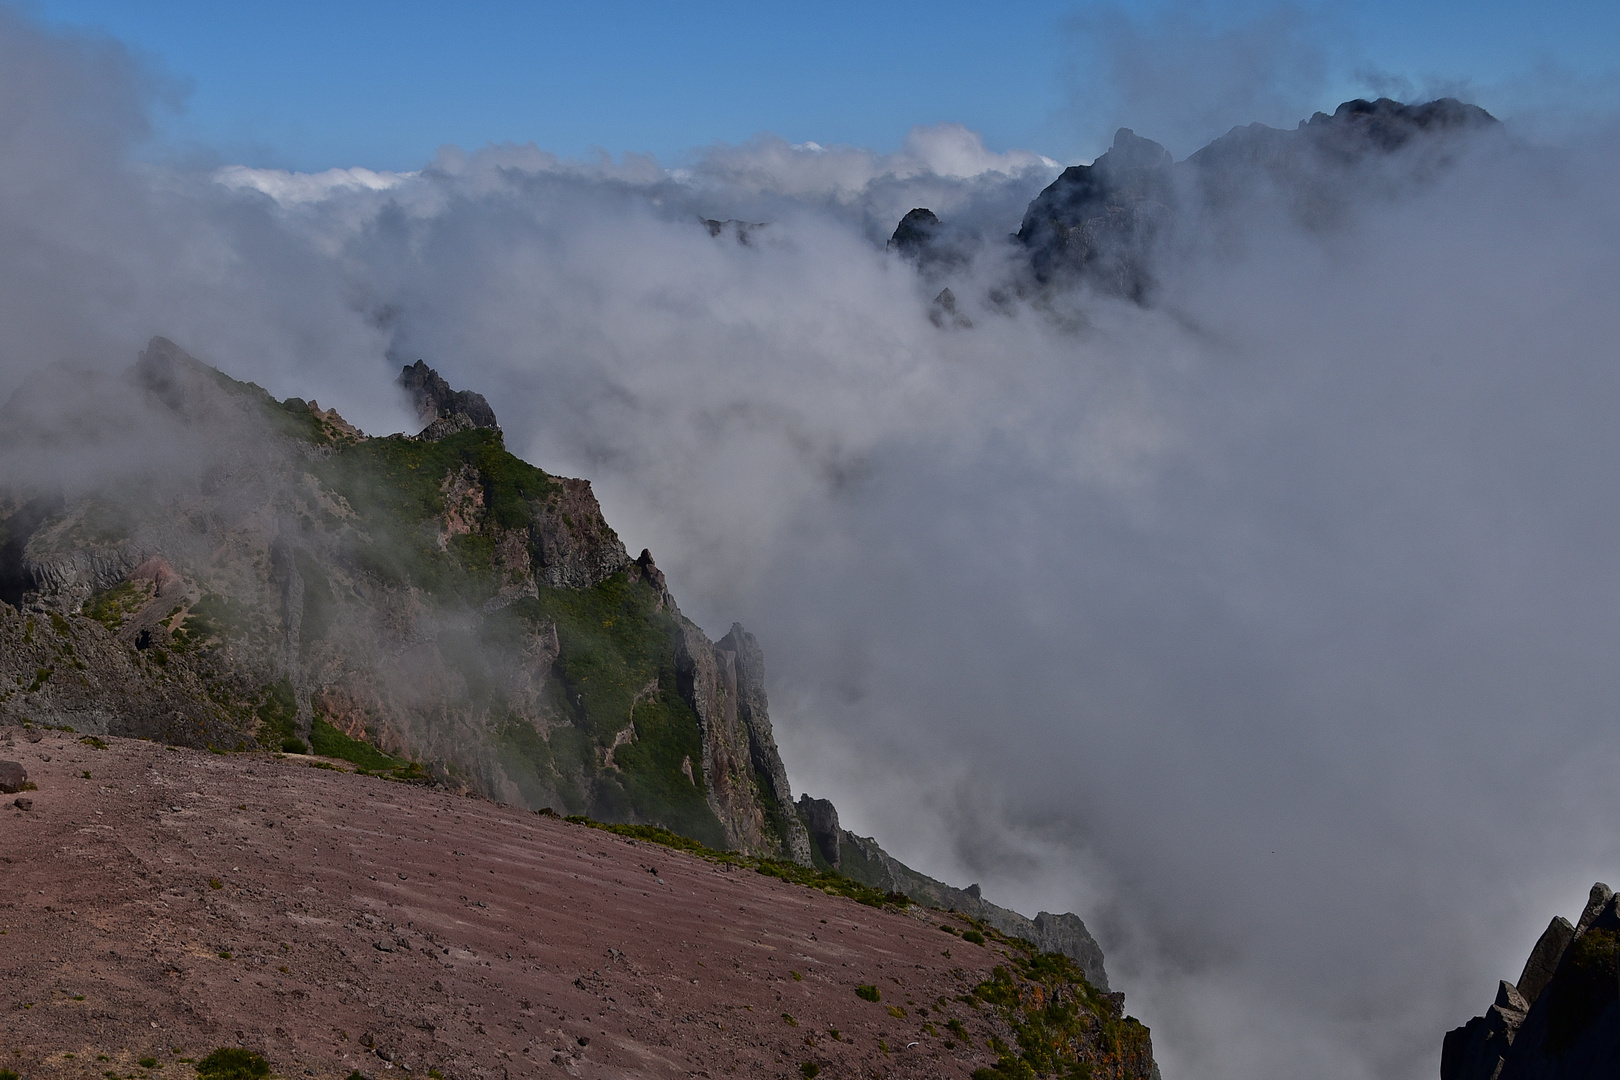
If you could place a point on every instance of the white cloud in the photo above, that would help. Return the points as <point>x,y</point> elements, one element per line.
<point>296,188</point>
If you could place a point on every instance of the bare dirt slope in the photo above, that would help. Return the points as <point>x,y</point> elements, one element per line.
<point>159,903</point>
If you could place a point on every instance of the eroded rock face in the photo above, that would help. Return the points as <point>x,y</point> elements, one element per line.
<point>1561,1021</point>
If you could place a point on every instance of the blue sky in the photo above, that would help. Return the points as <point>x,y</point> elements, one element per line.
<point>313,85</point>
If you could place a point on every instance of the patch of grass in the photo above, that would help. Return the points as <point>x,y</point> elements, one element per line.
<point>215,883</point>
<point>1063,1025</point>
<point>328,741</point>
<point>973,937</point>
<point>796,976</point>
<point>147,1063</point>
<point>213,618</point>
<point>113,607</point>
<point>95,743</point>
<point>787,1018</point>
<point>810,1069</point>
<point>326,765</point>
<point>897,1012</point>
<point>233,1063</point>
<point>224,954</point>
<point>41,677</point>
<point>868,992</point>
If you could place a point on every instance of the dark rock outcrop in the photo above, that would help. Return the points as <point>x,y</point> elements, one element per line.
<point>915,234</point>
<point>861,858</point>
<point>1561,1021</point>
<point>1106,225</point>
<point>441,410</point>
<point>12,777</point>
<point>1099,222</point>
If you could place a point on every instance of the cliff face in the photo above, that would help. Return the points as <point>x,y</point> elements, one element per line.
<point>434,597</point>
<point>1561,1020</point>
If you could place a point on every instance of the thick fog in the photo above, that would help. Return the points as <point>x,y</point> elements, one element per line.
<point>1272,627</point>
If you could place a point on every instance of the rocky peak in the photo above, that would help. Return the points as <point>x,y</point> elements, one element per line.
<point>442,410</point>
<point>1387,125</point>
<point>1098,220</point>
<point>1101,224</point>
<point>1561,1021</point>
<point>915,233</point>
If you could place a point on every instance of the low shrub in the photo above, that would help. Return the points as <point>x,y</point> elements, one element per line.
<point>233,1063</point>
<point>868,992</point>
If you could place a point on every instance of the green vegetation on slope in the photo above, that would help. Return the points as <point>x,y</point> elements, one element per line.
<point>615,677</point>
<point>327,741</point>
<point>278,718</point>
<point>396,486</point>
<point>1063,1026</point>
<point>830,882</point>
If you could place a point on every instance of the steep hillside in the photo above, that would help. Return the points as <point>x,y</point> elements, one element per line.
<point>287,582</point>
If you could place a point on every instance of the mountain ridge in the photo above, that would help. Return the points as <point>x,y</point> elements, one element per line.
<point>429,598</point>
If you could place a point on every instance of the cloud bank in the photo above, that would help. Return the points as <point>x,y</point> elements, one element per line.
<point>1271,627</point>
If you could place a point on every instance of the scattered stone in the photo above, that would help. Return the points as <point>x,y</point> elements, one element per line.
<point>23,803</point>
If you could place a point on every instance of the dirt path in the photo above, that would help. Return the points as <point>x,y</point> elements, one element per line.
<point>158,903</point>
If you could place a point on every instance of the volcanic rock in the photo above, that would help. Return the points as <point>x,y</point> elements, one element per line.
<point>444,411</point>
<point>1562,1020</point>
<point>12,777</point>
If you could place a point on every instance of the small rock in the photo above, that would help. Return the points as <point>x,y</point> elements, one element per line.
<point>34,736</point>
<point>12,777</point>
<point>23,803</point>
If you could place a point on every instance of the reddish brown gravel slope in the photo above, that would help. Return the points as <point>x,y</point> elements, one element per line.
<point>392,929</point>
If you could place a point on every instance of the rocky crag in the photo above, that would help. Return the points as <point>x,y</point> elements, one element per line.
<point>1561,1019</point>
<point>1106,224</point>
<point>860,857</point>
<point>241,573</point>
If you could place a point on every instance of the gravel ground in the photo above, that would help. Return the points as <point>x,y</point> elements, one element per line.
<point>158,903</point>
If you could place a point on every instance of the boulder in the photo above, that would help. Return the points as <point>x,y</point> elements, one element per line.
<point>12,777</point>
